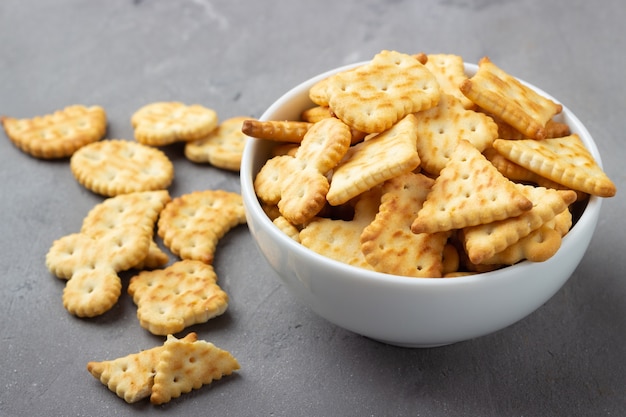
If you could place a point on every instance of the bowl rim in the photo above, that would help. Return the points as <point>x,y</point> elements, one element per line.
<point>251,202</point>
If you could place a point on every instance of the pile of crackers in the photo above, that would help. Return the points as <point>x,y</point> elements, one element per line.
<point>118,235</point>
<point>408,166</point>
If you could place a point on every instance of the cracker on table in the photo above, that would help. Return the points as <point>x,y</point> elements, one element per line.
<point>388,243</point>
<point>185,366</point>
<point>116,235</point>
<point>374,161</point>
<point>116,166</point>
<point>468,191</point>
<point>222,148</point>
<point>57,135</point>
<point>192,224</point>
<point>131,377</point>
<point>564,160</point>
<point>501,94</point>
<point>440,128</point>
<point>171,299</point>
<point>163,123</point>
<point>374,96</point>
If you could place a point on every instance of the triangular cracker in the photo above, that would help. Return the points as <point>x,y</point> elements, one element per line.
<point>563,160</point>
<point>388,243</point>
<point>183,294</point>
<point>483,241</point>
<point>374,161</point>
<point>185,366</point>
<point>131,377</point>
<point>503,95</point>
<point>468,191</point>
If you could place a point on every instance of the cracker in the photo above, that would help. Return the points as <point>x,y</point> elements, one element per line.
<point>520,106</point>
<point>374,161</point>
<point>171,299</point>
<point>276,130</point>
<point>131,377</point>
<point>57,135</point>
<point>483,241</point>
<point>388,244</point>
<point>440,128</point>
<point>287,228</point>
<point>222,148</point>
<point>192,224</point>
<point>340,239</point>
<point>116,235</point>
<point>469,191</point>
<point>163,123</point>
<point>268,181</point>
<point>114,167</point>
<point>185,366</point>
<point>563,160</point>
<point>373,97</point>
<point>449,70</point>
<point>538,246</point>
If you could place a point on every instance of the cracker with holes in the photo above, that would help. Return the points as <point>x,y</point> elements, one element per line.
<point>164,123</point>
<point>113,167</point>
<point>57,135</point>
<point>116,235</point>
<point>192,224</point>
<point>440,129</point>
<point>171,299</point>
<point>449,70</point>
<point>131,377</point>
<point>340,239</point>
<point>388,243</point>
<point>502,95</point>
<point>483,241</point>
<point>469,191</point>
<point>374,161</point>
<point>563,160</point>
<point>222,148</point>
<point>184,366</point>
<point>374,96</point>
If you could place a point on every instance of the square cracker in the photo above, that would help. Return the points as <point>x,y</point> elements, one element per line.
<point>503,95</point>
<point>372,97</point>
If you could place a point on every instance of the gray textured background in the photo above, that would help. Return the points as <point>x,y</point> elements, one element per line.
<point>567,358</point>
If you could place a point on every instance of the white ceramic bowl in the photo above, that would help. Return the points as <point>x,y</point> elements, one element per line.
<point>410,312</point>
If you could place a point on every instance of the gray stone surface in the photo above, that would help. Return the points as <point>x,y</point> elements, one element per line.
<point>237,57</point>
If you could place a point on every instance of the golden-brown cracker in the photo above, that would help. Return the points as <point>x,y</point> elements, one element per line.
<point>59,134</point>
<point>373,97</point>
<point>269,179</point>
<point>302,182</point>
<point>113,167</point>
<point>287,227</point>
<point>131,377</point>
<point>185,366</point>
<point>500,94</point>
<point>450,260</point>
<point>316,114</point>
<point>171,299</point>
<point>449,70</point>
<point>538,246</point>
<point>222,148</point>
<point>340,239</point>
<point>440,128</point>
<point>116,235</point>
<point>469,191</point>
<point>563,160</point>
<point>374,161</point>
<point>163,123</point>
<point>388,244</point>
<point>276,130</point>
<point>483,241</point>
<point>192,224</point>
